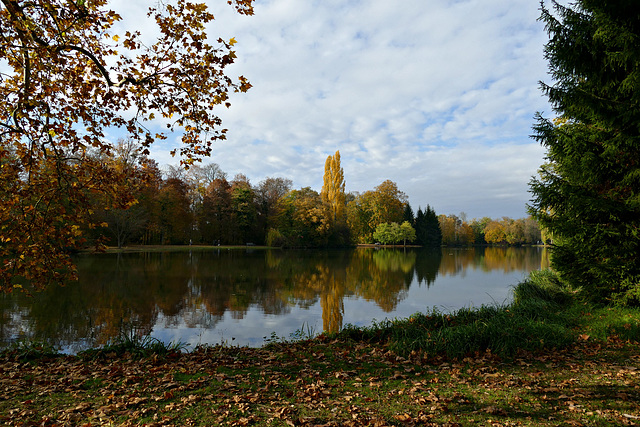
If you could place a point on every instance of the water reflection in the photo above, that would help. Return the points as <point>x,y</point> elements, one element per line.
<point>150,292</point>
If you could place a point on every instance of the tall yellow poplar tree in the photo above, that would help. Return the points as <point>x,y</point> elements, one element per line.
<point>333,188</point>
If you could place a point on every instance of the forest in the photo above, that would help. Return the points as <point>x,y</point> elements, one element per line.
<point>203,205</point>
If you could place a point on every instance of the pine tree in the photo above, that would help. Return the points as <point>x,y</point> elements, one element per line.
<point>588,195</point>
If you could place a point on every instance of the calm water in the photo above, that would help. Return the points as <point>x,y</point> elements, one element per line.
<point>239,297</point>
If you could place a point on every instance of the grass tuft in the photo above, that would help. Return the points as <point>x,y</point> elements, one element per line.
<point>136,346</point>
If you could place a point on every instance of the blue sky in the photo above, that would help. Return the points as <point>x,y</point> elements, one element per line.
<point>438,96</point>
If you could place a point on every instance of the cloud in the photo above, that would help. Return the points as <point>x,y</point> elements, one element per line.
<point>438,96</point>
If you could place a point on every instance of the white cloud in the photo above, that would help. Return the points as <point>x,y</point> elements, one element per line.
<point>437,95</point>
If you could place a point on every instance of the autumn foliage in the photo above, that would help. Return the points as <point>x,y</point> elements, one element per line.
<point>67,80</point>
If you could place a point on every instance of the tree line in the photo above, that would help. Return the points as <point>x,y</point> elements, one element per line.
<point>202,205</point>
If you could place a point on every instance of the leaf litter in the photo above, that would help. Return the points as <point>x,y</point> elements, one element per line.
<point>325,383</point>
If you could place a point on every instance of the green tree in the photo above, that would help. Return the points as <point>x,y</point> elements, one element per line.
<point>428,232</point>
<point>408,214</point>
<point>243,211</point>
<point>385,233</point>
<point>588,195</point>
<point>392,232</point>
<point>407,233</point>
<point>479,226</point>
<point>268,193</point>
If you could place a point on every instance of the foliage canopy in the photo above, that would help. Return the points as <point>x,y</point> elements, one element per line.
<point>66,80</point>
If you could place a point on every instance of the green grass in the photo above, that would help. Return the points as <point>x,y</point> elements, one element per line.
<point>545,314</point>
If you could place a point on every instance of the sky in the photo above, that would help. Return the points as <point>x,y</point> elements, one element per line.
<point>438,96</point>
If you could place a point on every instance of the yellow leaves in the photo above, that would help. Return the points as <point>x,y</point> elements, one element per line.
<point>244,84</point>
<point>75,230</point>
<point>82,87</point>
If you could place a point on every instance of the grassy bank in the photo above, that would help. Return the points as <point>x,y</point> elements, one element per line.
<point>546,359</point>
<point>179,248</point>
<point>545,314</point>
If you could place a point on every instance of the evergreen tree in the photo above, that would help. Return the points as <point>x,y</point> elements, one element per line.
<point>421,228</point>
<point>433,231</point>
<point>588,194</point>
<point>408,215</point>
<point>428,233</point>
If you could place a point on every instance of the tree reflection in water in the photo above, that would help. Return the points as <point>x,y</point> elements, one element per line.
<point>147,291</point>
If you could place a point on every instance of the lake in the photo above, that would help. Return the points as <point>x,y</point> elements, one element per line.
<point>241,297</point>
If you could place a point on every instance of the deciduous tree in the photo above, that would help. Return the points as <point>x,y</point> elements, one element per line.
<point>494,233</point>
<point>303,219</point>
<point>66,81</point>
<point>386,233</point>
<point>268,193</point>
<point>176,219</point>
<point>332,191</point>
<point>126,215</point>
<point>386,203</point>
<point>407,233</point>
<point>214,220</point>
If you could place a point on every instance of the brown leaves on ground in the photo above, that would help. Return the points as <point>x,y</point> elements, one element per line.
<point>317,383</point>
